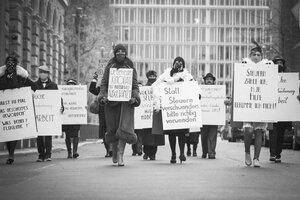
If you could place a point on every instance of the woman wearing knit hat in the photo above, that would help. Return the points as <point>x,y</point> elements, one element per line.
<point>119,115</point>
<point>172,75</point>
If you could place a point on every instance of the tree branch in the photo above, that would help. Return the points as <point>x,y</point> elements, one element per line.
<point>85,51</point>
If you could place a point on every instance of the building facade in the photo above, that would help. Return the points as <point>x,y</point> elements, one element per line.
<point>211,35</point>
<point>34,31</point>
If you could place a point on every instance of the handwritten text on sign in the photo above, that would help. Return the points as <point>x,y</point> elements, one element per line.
<point>120,84</point>
<point>255,92</point>
<point>288,105</point>
<point>48,117</point>
<point>17,114</point>
<point>180,105</point>
<point>143,113</point>
<point>212,104</point>
<point>75,103</point>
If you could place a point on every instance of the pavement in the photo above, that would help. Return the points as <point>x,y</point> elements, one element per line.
<point>92,176</point>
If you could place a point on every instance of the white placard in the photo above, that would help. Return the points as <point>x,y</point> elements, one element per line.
<point>255,92</point>
<point>288,106</point>
<point>180,105</point>
<point>143,113</point>
<point>212,104</point>
<point>17,114</point>
<point>48,117</point>
<point>120,84</point>
<point>75,104</point>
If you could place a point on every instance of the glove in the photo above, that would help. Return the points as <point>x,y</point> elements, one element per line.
<point>132,101</point>
<point>95,76</point>
<point>104,101</point>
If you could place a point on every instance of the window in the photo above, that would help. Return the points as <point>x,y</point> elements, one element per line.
<point>236,19</point>
<point>213,34</point>
<point>221,17</point>
<point>156,16</point>
<point>252,33</point>
<point>117,15</point>
<point>244,17</point>
<point>244,52</point>
<point>141,34</point>
<point>244,35</point>
<point>213,53</point>
<point>186,54</point>
<point>228,53</point>
<point>187,34</point>
<point>132,34</point>
<point>212,68</point>
<point>221,53</point>
<point>236,53</point>
<point>195,34</point>
<point>156,34</point>
<point>172,34</point>
<point>132,52</point>
<point>156,51</point>
<point>163,34</point>
<point>237,2</point>
<point>178,50</point>
<point>221,35</point>
<point>178,34</point>
<point>194,52</point>
<point>228,35</point>
<point>163,52</point>
<point>187,16</point>
<point>125,34</point>
<point>163,16</point>
<point>203,17</point>
<point>195,17</point>
<point>236,35</point>
<point>229,17</point>
<point>221,71</point>
<point>179,16</point>
<point>126,15</point>
<point>171,52</point>
<point>202,53</point>
<point>228,70</point>
<point>212,16</point>
<point>148,51</point>
<point>172,15</point>
<point>203,35</point>
<point>259,17</point>
<point>252,17</point>
<point>132,15</point>
<point>149,16</point>
<point>141,16</point>
<point>148,35</point>
<point>259,35</point>
<point>140,51</point>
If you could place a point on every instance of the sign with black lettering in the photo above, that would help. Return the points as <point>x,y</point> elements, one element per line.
<point>48,117</point>
<point>255,92</point>
<point>143,113</point>
<point>17,115</point>
<point>120,84</point>
<point>288,105</point>
<point>180,105</point>
<point>212,104</point>
<point>75,103</point>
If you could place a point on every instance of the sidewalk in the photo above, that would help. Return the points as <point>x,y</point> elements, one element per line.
<point>58,144</point>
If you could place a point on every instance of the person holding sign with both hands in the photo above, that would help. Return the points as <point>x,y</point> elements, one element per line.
<point>119,115</point>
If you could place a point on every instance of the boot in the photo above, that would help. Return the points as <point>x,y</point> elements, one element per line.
<point>195,150</point>
<point>115,152</point>
<point>121,147</point>
<point>75,147</point>
<point>188,153</point>
<point>69,149</point>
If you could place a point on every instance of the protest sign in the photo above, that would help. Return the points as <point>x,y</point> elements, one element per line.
<point>75,104</point>
<point>120,84</point>
<point>288,106</point>
<point>180,105</point>
<point>143,113</point>
<point>212,104</point>
<point>47,107</point>
<point>17,114</point>
<point>255,92</point>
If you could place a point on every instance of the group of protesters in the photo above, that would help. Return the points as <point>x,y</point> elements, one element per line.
<point>116,118</point>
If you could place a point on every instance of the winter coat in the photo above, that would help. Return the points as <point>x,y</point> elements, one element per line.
<point>151,139</point>
<point>102,124</point>
<point>22,79</point>
<point>166,77</point>
<point>49,85</point>
<point>119,115</point>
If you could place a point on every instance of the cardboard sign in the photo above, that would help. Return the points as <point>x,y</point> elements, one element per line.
<point>48,117</point>
<point>143,113</point>
<point>120,84</point>
<point>180,105</point>
<point>255,92</point>
<point>212,104</point>
<point>75,103</point>
<point>17,115</point>
<point>288,106</point>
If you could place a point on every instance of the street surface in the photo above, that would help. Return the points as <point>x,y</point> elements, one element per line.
<point>94,177</point>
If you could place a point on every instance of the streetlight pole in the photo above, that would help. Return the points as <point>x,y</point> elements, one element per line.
<point>78,17</point>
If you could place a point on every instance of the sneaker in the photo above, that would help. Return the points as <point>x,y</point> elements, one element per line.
<point>145,157</point>
<point>39,160</point>
<point>204,155</point>
<point>277,160</point>
<point>48,159</point>
<point>248,161</point>
<point>256,163</point>
<point>272,158</point>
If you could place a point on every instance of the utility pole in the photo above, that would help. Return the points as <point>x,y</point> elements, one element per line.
<point>78,16</point>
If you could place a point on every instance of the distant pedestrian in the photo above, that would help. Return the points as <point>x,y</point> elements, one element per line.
<point>44,143</point>
<point>102,124</point>
<point>256,128</point>
<point>151,141</point>
<point>209,133</point>
<point>71,132</point>
<point>13,76</point>
<point>172,75</point>
<point>119,115</point>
